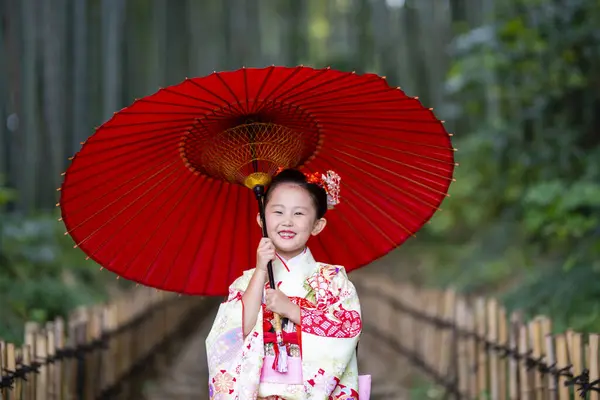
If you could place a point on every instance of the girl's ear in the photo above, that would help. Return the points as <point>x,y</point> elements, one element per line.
<point>258,220</point>
<point>319,226</point>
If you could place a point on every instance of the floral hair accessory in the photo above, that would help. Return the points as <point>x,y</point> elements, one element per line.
<point>330,181</point>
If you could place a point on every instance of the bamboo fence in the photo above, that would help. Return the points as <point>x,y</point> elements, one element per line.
<point>98,352</point>
<point>475,350</point>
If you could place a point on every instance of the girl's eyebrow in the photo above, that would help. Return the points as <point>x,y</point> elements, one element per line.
<point>281,205</point>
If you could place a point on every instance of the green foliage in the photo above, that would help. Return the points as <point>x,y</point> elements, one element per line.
<point>525,210</point>
<point>41,275</point>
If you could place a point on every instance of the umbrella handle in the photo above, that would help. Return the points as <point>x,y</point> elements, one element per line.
<point>280,363</point>
<point>259,191</point>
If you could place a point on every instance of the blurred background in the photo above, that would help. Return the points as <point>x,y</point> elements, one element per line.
<point>517,81</point>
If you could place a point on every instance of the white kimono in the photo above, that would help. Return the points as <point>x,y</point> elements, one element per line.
<point>326,339</point>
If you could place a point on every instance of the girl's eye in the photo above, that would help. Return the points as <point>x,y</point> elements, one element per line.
<point>299,213</point>
<point>277,212</point>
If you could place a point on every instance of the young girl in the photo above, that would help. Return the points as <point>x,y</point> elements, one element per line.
<point>318,304</point>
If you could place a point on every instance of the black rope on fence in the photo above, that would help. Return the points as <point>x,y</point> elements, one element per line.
<point>9,377</point>
<point>581,382</point>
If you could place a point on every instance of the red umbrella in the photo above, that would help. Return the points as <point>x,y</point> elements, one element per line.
<point>157,196</point>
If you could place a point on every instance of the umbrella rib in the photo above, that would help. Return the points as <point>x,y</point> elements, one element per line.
<point>445,177</point>
<point>139,161</point>
<point>189,96</point>
<point>317,95</point>
<point>219,108</point>
<point>150,268</point>
<point>408,194</point>
<point>367,184</point>
<point>394,173</point>
<point>315,100</point>
<point>336,119</point>
<point>129,125</point>
<point>358,103</point>
<point>255,104</point>
<point>310,78</point>
<point>387,128</point>
<point>228,104</point>
<point>148,144</point>
<point>235,212</point>
<point>354,111</point>
<point>173,104</point>
<point>343,134</point>
<point>238,102</point>
<point>382,212</point>
<point>277,87</point>
<point>199,246</point>
<point>207,188</point>
<point>247,104</point>
<point>217,235</point>
<point>139,228</point>
<point>94,138</point>
<point>406,152</point>
<point>123,209</point>
<point>349,186</point>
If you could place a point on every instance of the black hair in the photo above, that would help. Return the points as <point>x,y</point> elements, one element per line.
<point>316,192</point>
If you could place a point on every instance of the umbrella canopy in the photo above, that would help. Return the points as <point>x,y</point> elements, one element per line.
<point>159,194</point>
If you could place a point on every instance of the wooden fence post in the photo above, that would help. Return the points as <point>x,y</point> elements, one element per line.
<point>592,357</point>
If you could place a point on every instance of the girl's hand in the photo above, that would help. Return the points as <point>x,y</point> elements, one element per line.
<point>264,254</point>
<point>279,303</point>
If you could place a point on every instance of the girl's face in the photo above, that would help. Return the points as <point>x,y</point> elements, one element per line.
<point>291,219</point>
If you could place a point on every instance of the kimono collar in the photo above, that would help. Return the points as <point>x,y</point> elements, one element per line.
<point>297,261</point>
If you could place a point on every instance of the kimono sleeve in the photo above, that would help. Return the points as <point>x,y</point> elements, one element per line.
<point>234,362</point>
<point>334,324</point>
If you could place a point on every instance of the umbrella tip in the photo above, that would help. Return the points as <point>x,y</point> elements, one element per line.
<point>60,219</point>
<point>384,77</point>
<point>416,97</point>
<point>57,204</point>
<point>443,121</point>
<point>454,149</point>
<point>328,67</point>
<point>58,189</point>
<point>398,87</point>
<point>63,174</point>
<point>70,158</point>
<point>456,164</point>
<point>101,268</point>
<point>453,179</point>
<point>451,134</point>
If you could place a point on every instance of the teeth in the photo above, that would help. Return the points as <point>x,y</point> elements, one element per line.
<point>287,235</point>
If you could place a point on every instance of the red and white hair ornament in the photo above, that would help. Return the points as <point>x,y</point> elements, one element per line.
<point>330,181</point>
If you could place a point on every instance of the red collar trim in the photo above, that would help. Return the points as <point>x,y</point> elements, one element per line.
<point>284,263</point>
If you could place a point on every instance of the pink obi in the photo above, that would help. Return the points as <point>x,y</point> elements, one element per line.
<point>293,376</point>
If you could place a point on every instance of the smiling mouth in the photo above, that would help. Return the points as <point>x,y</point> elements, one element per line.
<point>287,235</point>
